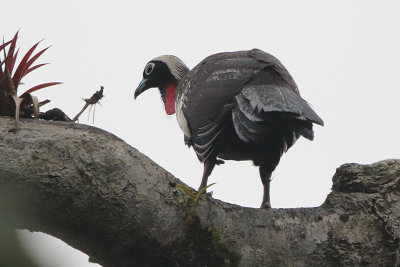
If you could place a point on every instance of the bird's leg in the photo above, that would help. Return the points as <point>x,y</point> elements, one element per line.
<point>265,179</point>
<point>209,165</point>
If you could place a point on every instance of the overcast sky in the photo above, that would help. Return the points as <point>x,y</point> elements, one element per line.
<point>343,55</point>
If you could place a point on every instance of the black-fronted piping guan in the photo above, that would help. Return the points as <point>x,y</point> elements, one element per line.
<point>240,105</point>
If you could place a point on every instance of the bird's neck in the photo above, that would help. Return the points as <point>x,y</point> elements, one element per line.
<point>169,97</point>
<point>169,92</point>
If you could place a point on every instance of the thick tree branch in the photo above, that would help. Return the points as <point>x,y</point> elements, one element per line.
<point>105,198</point>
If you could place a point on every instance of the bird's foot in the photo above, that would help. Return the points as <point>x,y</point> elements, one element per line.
<point>202,190</point>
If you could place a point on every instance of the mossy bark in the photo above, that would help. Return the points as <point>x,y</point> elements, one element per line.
<point>105,198</point>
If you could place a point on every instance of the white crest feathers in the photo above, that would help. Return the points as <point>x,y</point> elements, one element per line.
<point>176,66</point>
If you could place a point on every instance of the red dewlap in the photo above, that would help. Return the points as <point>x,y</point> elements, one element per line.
<point>170,98</point>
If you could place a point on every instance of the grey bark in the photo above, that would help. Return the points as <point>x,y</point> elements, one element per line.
<point>105,198</point>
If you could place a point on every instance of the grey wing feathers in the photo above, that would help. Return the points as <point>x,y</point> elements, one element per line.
<point>254,88</point>
<point>203,141</point>
<point>265,110</point>
<point>203,137</point>
<point>207,94</point>
<point>276,98</point>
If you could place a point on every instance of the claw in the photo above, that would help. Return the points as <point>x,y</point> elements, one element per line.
<point>219,162</point>
<point>265,205</point>
<point>201,192</point>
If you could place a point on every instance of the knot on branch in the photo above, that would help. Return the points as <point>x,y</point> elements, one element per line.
<point>380,177</point>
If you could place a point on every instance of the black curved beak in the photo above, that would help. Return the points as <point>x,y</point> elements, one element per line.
<point>141,88</point>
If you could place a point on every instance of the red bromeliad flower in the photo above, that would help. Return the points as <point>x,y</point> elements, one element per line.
<point>26,104</point>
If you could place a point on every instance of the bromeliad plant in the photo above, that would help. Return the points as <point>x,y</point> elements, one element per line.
<point>25,105</point>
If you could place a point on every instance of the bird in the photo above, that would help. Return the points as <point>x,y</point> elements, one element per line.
<point>241,105</point>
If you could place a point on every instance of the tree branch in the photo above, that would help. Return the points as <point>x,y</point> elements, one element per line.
<point>103,197</point>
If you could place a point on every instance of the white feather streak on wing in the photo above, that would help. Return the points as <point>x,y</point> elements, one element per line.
<point>201,134</point>
<point>239,127</point>
<point>246,108</point>
<point>226,74</point>
<point>208,151</point>
<point>280,92</point>
<point>209,142</point>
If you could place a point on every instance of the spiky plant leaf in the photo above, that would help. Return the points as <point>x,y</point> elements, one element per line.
<point>9,87</point>
<point>22,65</point>
<point>26,66</point>
<point>40,86</point>
<point>33,68</point>
<point>200,193</point>
<point>26,105</point>
<point>186,190</point>
<point>13,59</point>
<point>4,45</point>
<point>11,53</point>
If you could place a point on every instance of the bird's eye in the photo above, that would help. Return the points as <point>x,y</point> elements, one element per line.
<point>149,68</point>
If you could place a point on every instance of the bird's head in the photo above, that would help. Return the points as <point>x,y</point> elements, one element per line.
<point>164,73</point>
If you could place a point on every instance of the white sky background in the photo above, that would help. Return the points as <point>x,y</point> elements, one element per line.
<point>344,56</point>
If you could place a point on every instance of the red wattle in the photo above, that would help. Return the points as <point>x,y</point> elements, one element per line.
<point>170,98</point>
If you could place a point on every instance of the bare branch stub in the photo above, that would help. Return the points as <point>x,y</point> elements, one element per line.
<point>96,97</point>
<point>93,100</point>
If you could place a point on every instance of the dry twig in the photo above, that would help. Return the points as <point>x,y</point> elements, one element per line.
<point>90,101</point>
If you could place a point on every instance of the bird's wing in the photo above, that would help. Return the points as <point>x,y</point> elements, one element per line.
<point>270,104</point>
<point>237,84</point>
<point>207,96</point>
<point>264,110</point>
